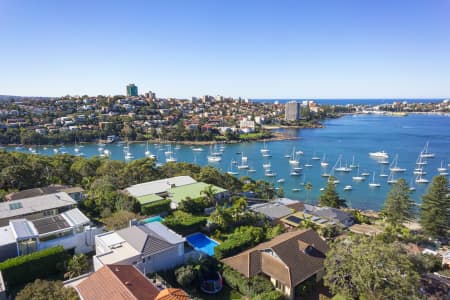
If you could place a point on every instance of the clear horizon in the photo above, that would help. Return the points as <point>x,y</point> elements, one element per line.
<point>254,49</point>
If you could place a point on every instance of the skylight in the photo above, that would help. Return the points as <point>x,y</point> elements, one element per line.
<point>16,205</point>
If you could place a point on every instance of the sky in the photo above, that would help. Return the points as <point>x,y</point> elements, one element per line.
<point>256,49</point>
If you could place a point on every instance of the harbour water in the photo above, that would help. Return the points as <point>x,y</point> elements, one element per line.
<point>349,136</point>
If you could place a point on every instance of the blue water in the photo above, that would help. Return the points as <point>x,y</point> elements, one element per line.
<point>202,243</point>
<point>352,135</point>
<point>152,219</point>
<point>351,101</point>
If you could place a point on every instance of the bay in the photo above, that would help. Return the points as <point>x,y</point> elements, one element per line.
<point>349,136</point>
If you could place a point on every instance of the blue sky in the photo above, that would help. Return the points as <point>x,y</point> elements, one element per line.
<point>255,49</point>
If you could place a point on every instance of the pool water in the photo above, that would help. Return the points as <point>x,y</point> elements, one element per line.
<point>203,243</point>
<point>152,219</point>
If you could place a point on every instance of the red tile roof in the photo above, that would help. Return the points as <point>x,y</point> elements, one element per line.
<point>117,282</point>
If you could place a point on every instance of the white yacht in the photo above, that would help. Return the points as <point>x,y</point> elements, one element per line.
<point>353,165</point>
<point>358,177</point>
<point>394,165</point>
<point>341,168</point>
<point>244,164</point>
<point>323,163</point>
<point>214,158</point>
<point>420,179</point>
<point>442,168</point>
<point>373,183</point>
<point>315,157</point>
<point>270,173</point>
<point>379,154</point>
<point>281,180</point>
<point>264,149</point>
<point>198,149</point>
<point>391,179</point>
<point>293,160</point>
<point>348,188</point>
<point>425,152</point>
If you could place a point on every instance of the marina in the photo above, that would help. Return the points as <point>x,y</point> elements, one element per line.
<point>315,155</point>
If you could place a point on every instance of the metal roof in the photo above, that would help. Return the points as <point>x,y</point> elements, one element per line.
<point>272,210</point>
<point>23,229</point>
<point>34,204</point>
<point>193,190</point>
<point>75,217</point>
<point>158,186</point>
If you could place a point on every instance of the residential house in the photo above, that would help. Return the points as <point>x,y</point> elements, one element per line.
<point>70,229</point>
<point>150,247</point>
<point>334,215</point>
<point>272,211</point>
<point>175,188</point>
<point>117,282</point>
<point>287,260</point>
<point>75,192</point>
<point>35,207</point>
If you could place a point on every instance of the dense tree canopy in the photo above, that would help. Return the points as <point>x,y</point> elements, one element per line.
<point>399,207</point>
<point>46,290</point>
<point>329,196</point>
<point>369,268</point>
<point>435,210</point>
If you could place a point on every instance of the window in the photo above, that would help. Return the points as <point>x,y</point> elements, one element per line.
<point>16,205</point>
<point>279,285</point>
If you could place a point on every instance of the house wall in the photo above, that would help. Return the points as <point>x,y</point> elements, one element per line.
<point>283,288</point>
<point>165,260</point>
<point>8,251</point>
<point>82,242</point>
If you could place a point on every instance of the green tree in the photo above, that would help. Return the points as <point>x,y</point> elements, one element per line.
<point>329,196</point>
<point>398,207</point>
<point>308,188</point>
<point>435,210</point>
<point>186,276</point>
<point>209,194</point>
<point>369,268</point>
<point>78,265</point>
<point>46,290</point>
<point>119,219</point>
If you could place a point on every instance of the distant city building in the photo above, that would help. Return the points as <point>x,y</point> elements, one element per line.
<point>132,90</point>
<point>292,111</point>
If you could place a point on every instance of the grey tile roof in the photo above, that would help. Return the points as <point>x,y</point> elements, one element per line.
<point>151,239</point>
<point>35,204</point>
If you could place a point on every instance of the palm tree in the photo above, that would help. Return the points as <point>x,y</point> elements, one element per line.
<point>209,194</point>
<point>308,188</point>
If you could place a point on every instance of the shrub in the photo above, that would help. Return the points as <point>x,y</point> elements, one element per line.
<point>184,223</point>
<point>27,268</point>
<point>156,207</point>
<point>186,276</point>
<point>241,239</point>
<point>194,206</point>
<point>272,295</point>
<point>49,290</point>
<point>250,287</point>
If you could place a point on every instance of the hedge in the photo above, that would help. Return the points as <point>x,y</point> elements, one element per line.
<point>40,264</point>
<point>272,295</point>
<point>242,238</point>
<point>250,287</point>
<point>156,207</point>
<point>184,223</point>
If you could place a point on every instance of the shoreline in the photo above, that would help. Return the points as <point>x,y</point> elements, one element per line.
<point>277,136</point>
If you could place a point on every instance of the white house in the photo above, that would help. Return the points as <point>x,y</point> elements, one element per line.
<point>150,247</point>
<point>70,229</point>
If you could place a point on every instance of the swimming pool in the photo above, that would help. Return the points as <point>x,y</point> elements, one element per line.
<point>202,243</point>
<point>152,219</point>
